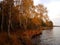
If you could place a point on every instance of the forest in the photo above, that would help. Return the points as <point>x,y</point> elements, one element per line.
<point>22,15</point>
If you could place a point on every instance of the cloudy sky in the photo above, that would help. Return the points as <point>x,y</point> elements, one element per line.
<point>53,7</point>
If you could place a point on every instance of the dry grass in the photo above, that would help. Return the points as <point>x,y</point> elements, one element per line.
<point>18,37</point>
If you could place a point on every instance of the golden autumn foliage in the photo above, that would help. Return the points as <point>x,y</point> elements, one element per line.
<point>26,13</point>
<point>15,19</point>
<point>36,21</point>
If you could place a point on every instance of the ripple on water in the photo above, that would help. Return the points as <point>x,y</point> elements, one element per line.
<point>48,37</point>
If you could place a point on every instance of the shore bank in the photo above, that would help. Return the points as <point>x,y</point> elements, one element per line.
<point>20,37</point>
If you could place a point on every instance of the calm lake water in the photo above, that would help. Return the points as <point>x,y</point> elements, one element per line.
<point>48,37</point>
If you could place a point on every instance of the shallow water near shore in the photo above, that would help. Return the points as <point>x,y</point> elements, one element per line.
<point>48,37</point>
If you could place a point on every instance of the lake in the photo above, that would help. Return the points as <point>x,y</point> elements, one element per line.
<point>48,37</point>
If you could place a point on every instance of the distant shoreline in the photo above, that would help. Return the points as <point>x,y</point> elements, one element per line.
<point>56,26</point>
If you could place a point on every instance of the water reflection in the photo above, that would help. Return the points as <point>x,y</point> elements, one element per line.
<point>48,37</point>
